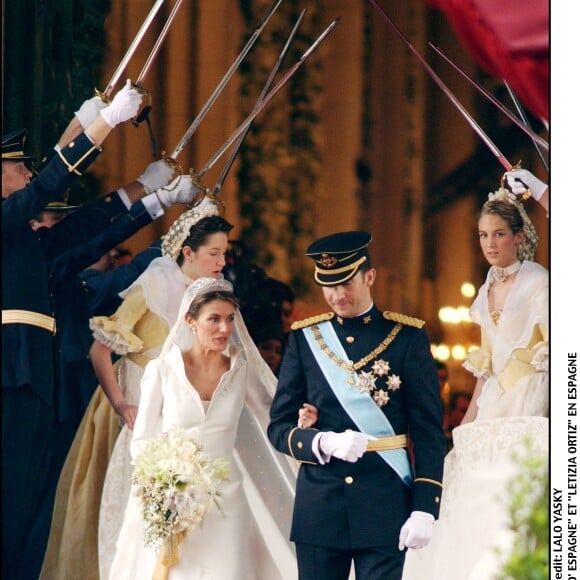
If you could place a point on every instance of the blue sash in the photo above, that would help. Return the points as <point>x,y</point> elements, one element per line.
<point>359,406</point>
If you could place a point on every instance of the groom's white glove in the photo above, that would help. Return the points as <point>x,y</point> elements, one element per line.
<point>348,446</point>
<point>416,531</point>
<point>521,180</point>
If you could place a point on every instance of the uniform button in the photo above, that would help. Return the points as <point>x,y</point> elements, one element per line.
<point>108,199</point>
<point>350,339</point>
<point>299,444</point>
<point>348,479</point>
<point>437,500</point>
<point>71,144</point>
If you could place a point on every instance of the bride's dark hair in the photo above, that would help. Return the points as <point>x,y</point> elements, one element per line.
<point>202,299</point>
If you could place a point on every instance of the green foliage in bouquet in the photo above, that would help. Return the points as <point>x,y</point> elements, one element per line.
<point>529,519</point>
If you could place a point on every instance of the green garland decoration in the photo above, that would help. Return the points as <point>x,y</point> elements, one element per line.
<point>53,52</point>
<point>280,162</point>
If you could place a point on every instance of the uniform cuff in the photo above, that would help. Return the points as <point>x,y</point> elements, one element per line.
<point>153,206</point>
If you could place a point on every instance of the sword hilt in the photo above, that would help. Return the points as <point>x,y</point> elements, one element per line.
<point>102,96</point>
<point>527,194</point>
<point>171,162</point>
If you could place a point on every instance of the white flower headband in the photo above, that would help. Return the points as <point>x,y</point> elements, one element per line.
<point>179,230</point>
<point>527,248</point>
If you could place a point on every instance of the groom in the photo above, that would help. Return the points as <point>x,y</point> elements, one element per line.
<point>373,380</point>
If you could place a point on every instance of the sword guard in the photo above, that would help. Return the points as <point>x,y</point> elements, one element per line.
<point>527,194</point>
<point>171,162</point>
<point>205,192</point>
<point>196,180</point>
<point>142,91</point>
<point>102,96</point>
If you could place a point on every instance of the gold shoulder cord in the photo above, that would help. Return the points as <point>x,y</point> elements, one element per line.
<point>403,319</point>
<point>299,324</point>
<point>349,366</point>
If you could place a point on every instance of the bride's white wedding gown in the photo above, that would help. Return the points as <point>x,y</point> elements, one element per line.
<point>230,543</point>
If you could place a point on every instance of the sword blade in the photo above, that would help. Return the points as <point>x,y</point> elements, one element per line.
<point>265,89</point>
<point>158,43</point>
<point>525,120</point>
<point>132,48</point>
<point>525,127</point>
<point>196,122</point>
<point>462,110</point>
<point>259,107</point>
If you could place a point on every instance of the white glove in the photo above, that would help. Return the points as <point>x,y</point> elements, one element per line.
<point>89,111</point>
<point>125,106</point>
<point>156,175</point>
<point>349,446</point>
<point>416,531</point>
<point>520,180</point>
<point>180,190</point>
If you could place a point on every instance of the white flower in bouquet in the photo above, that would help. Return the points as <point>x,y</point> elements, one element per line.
<point>177,485</point>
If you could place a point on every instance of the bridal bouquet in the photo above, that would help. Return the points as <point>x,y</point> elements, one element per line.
<point>177,486</point>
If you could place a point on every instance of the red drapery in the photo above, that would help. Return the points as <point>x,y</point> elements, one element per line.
<point>510,40</point>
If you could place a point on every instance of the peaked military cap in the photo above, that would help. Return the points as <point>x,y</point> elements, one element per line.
<point>338,257</point>
<point>14,146</point>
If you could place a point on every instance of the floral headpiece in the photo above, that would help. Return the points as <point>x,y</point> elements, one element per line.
<point>527,248</point>
<point>179,230</point>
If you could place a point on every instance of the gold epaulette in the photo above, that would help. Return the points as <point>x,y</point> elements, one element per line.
<point>312,320</point>
<point>403,319</point>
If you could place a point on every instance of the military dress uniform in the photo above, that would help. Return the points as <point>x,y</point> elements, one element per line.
<point>361,505</point>
<point>75,303</point>
<point>28,329</point>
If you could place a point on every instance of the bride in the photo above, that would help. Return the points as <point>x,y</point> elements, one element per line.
<point>200,384</point>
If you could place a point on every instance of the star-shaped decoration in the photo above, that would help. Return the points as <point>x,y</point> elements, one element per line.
<point>366,382</point>
<point>381,397</point>
<point>393,382</point>
<point>381,368</point>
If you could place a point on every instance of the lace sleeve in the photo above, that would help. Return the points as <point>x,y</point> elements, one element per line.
<point>116,331</point>
<point>478,362</point>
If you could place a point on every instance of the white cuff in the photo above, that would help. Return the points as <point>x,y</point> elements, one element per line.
<point>153,206</point>
<point>124,197</point>
<point>323,458</point>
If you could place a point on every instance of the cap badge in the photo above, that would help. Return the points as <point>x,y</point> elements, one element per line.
<point>328,261</point>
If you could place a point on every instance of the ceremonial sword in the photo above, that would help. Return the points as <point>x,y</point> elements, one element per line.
<point>265,89</point>
<point>131,50</point>
<point>524,126</point>
<point>480,132</point>
<point>525,120</point>
<point>139,82</point>
<point>196,122</point>
<point>262,104</point>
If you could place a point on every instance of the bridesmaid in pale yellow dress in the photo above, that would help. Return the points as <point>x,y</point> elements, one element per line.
<point>509,408</point>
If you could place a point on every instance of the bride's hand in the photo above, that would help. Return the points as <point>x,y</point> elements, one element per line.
<point>307,416</point>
